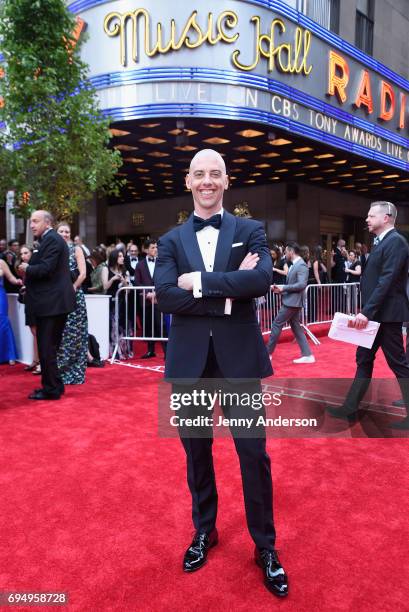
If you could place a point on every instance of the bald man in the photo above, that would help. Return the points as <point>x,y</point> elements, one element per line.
<point>50,297</point>
<point>208,272</point>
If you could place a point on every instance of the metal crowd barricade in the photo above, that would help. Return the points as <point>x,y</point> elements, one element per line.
<point>138,318</point>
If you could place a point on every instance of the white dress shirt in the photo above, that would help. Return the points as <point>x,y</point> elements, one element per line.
<point>151,265</point>
<point>382,236</point>
<point>207,241</point>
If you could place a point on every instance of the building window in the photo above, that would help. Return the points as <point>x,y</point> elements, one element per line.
<point>324,12</point>
<point>364,25</point>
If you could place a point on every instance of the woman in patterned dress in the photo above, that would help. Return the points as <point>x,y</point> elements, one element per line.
<point>72,354</point>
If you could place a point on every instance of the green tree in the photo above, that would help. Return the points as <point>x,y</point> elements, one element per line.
<point>54,151</point>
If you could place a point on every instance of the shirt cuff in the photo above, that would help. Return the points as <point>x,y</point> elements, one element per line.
<point>197,284</point>
<point>227,306</point>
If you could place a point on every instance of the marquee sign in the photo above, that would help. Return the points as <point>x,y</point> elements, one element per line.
<point>257,60</point>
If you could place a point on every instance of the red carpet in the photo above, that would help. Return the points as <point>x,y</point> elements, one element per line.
<point>94,504</point>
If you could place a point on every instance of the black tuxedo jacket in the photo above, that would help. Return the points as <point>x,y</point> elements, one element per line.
<point>142,274</point>
<point>128,266</point>
<point>48,278</point>
<point>338,273</point>
<point>383,282</point>
<point>237,340</point>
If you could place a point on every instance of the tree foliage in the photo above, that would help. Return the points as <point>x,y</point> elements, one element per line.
<point>55,145</point>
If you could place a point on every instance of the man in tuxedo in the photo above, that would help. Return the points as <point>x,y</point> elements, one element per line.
<point>50,297</point>
<point>208,273</point>
<point>384,299</point>
<point>131,261</point>
<point>293,295</point>
<point>143,276</point>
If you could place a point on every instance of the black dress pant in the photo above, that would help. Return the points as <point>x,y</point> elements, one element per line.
<point>49,334</point>
<point>254,463</point>
<point>389,339</point>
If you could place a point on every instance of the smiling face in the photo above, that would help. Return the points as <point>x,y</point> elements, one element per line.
<point>65,232</point>
<point>207,180</point>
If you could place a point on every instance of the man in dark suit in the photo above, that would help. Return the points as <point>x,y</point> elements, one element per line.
<point>149,312</point>
<point>293,295</point>
<point>50,297</point>
<point>384,299</point>
<point>208,273</point>
<point>132,261</point>
<point>338,274</point>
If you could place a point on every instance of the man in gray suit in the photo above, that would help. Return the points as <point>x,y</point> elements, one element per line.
<point>292,303</point>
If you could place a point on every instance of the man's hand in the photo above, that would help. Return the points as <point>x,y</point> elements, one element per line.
<point>360,321</point>
<point>23,267</point>
<point>185,281</point>
<point>276,289</point>
<point>249,262</point>
<point>151,296</point>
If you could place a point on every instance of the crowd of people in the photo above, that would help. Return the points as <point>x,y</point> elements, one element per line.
<point>107,268</point>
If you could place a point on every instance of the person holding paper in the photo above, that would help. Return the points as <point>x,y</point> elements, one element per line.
<point>384,299</point>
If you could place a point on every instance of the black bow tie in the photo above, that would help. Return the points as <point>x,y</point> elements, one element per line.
<point>151,259</point>
<point>199,223</point>
<point>134,259</point>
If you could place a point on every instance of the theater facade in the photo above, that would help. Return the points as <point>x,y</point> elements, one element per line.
<point>310,127</point>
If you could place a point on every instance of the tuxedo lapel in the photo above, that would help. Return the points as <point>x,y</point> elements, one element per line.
<point>224,242</point>
<point>191,246</point>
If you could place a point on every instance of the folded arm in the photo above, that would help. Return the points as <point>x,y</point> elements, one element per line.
<point>173,300</point>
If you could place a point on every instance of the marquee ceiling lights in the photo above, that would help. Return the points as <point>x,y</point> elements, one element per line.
<point>152,140</point>
<point>215,140</point>
<point>118,133</point>
<point>134,160</point>
<point>250,133</point>
<point>124,147</point>
<point>257,160</point>
<point>149,126</point>
<point>344,175</point>
<point>177,132</point>
<point>404,180</point>
<point>389,176</point>
<point>243,148</point>
<point>272,154</point>
<point>186,148</point>
<point>279,142</point>
<point>215,126</point>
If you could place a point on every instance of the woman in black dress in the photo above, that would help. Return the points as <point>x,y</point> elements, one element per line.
<point>113,278</point>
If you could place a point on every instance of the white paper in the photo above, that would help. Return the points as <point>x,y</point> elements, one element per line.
<point>362,337</point>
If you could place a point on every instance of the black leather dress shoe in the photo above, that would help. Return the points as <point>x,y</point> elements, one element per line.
<point>399,403</point>
<point>196,555</point>
<point>275,577</point>
<point>148,355</point>
<point>401,424</point>
<point>343,412</point>
<point>42,395</point>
